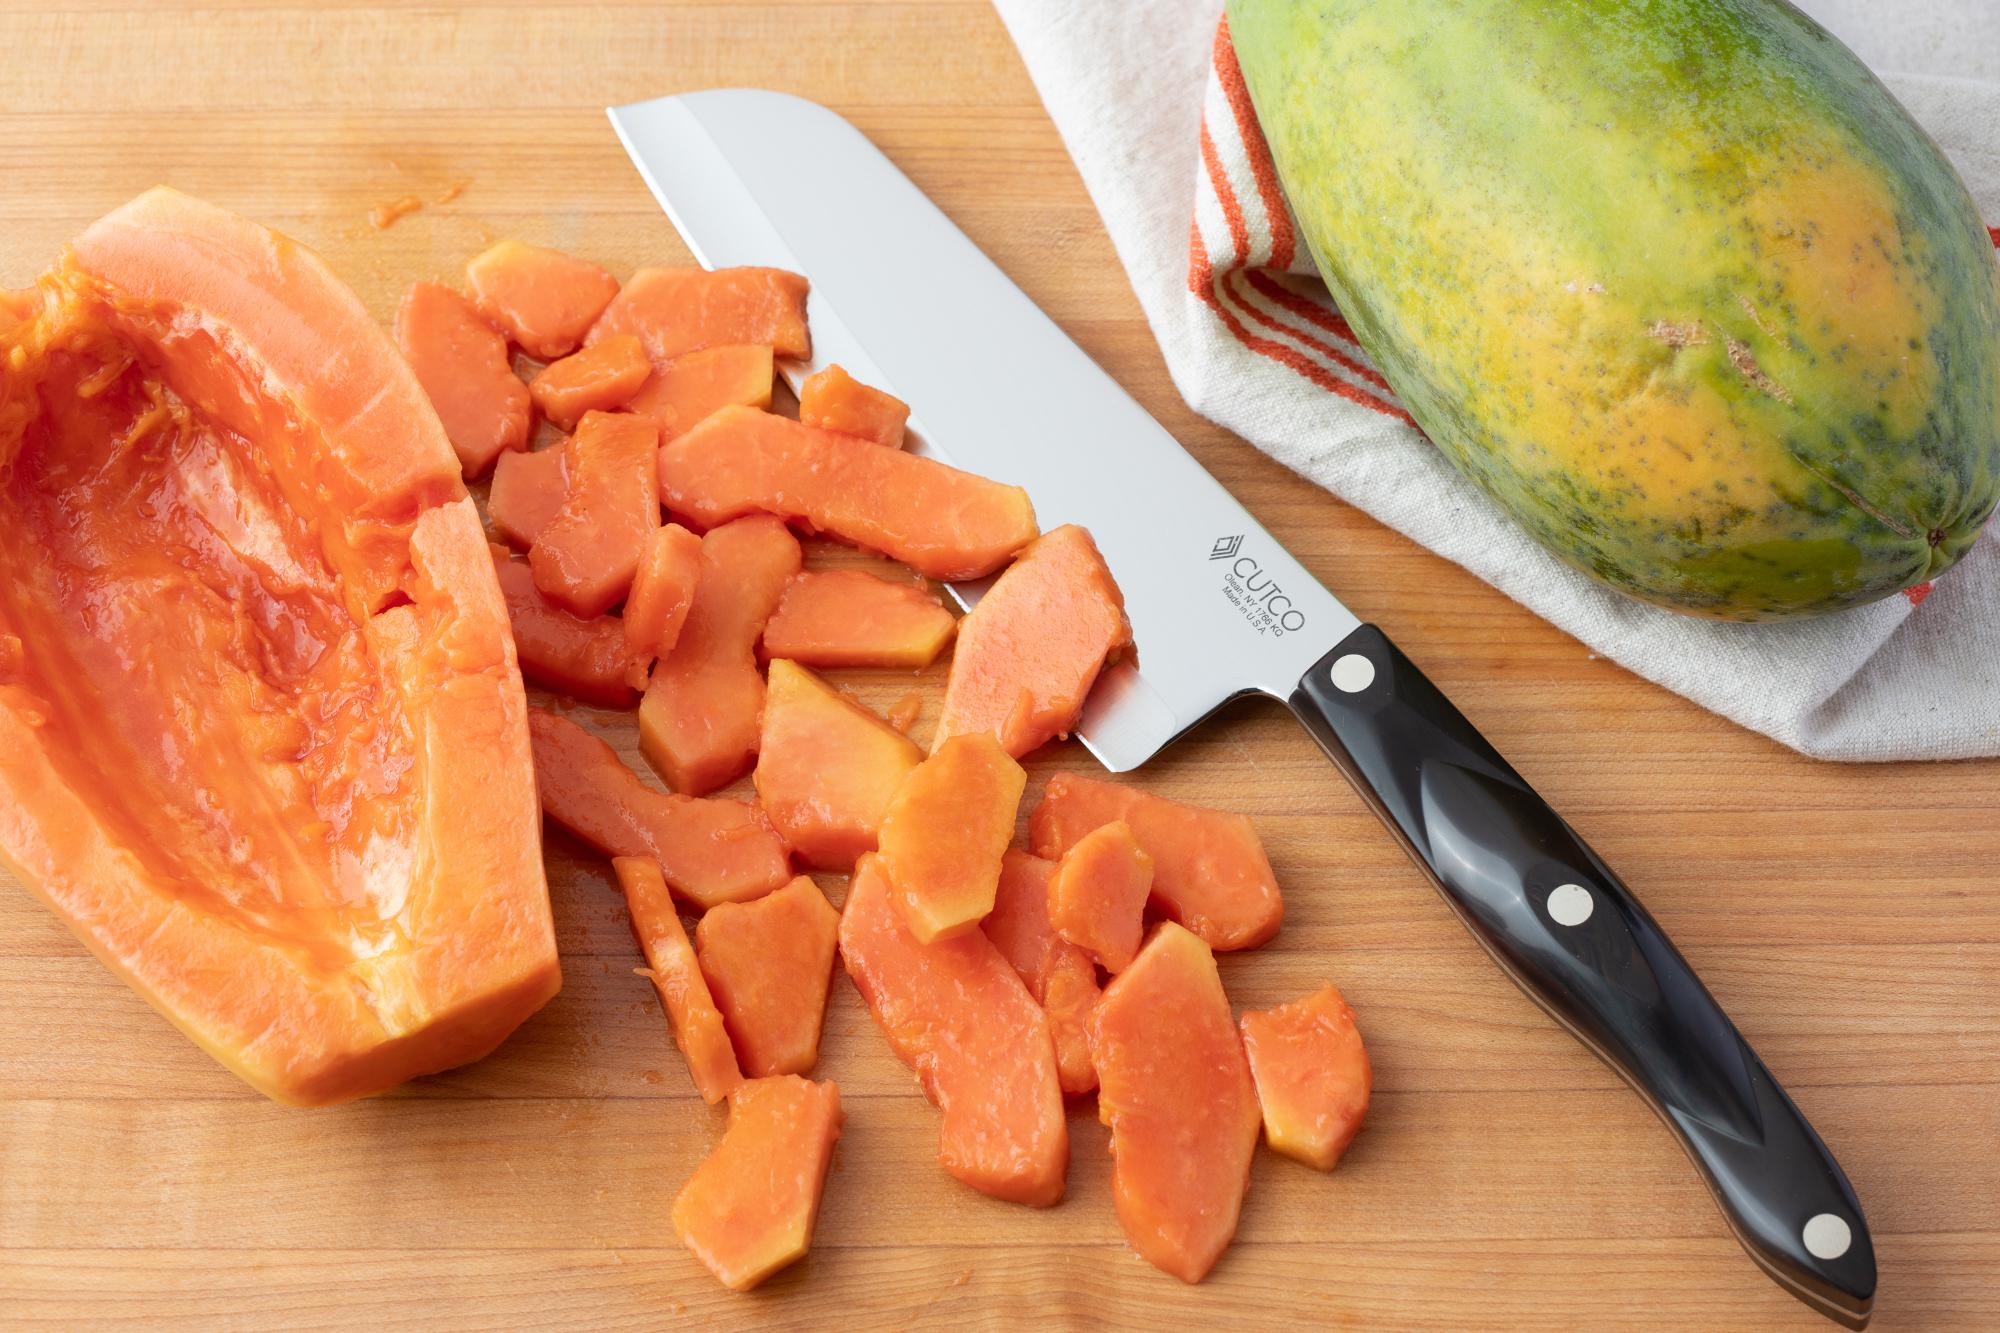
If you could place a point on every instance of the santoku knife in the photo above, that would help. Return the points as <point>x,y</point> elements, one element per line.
<point>903,299</point>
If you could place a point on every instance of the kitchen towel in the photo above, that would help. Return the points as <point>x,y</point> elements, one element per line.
<point>1146,96</point>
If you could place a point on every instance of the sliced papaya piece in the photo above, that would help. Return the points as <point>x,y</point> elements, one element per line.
<point>671,965</point>
<point>544,300</point>
<point>461,361</point>
<point>1057,973</point>
<point>585,558</point>
<point>585,659</point>
<point>1029,652</point>
<point>528,488</point>
<point>680,310</point>
<point>711,851</point>
<point>944,523</point>
<point>768,964</point>
<point>596,379</point>
<point>1209,869</point>
<point>1097,896</point>
<point>750,1207</point>
<point>850,618</point>
<point>681,392</point>
<point>262,740</point>
<point>698,721</point>
<point>957,1013</point>
<point>944,834</point>
<point>1175,1089</point>
<point>835,400</point>
<point>903,714</point>
<point>1312,1076</point>
<point>662,591</point>
<point>826,767</point>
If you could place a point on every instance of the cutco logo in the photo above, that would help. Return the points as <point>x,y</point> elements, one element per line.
<point>1254,593</point>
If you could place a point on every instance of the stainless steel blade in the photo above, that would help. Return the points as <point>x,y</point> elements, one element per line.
<point>905,300</point>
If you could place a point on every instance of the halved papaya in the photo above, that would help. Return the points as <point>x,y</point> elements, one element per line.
<point>827,767</point>
<point>711,851</point>
<point>1029,652</point>
<point>584,559</point>
<point>1209,869</point>
<point>528,487</point>
<point>850,618</point>
<point>676,974</point>
<point>1312,1076</point>
<point>681,392</point>
<point>680,310</point>
<point>956,1012</point>
<point>945,831</point>
<point>749,1208</point>
<point>944,523</point>
<point>544,300</point>
<point>1174,1086</point>
<point>461,360</point>
<point>768,963</point>
<point>698,721</point>
<point>585,659</point>
<point>263,745</point>
<point>835,400</point>
<point>596,379</point>
<point>1057,973</point>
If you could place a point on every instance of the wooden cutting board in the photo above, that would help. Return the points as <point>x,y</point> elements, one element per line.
<point>1848,917</point>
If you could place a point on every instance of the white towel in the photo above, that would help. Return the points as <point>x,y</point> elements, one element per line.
<point>1167,146</point>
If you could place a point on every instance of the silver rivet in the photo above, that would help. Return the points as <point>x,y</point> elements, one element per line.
<point>1827,1237</point>
<point>1570,904</point>
<point>1352,673</point>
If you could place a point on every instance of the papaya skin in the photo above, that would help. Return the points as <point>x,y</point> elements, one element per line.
<point>223,779</point>
<point>1737,355</point>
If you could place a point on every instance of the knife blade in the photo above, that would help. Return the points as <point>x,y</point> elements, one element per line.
<point>904,300</point>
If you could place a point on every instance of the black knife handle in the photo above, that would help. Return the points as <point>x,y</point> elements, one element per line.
<point>1575,939</point>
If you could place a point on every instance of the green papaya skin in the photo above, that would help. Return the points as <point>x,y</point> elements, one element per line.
<point>1677,282</point>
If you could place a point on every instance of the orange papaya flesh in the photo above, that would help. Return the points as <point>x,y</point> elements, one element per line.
<point>850,618</point>
<point>768,964</point>
<point>943,523</point>
<point>835,400</point>
<point>1312,1076</point>
<point>680,393</point>
<point>671,966</point>
<point>710,851</point>
<point>584,559</point>
<point>585,659</point>
<point>680,310</point>
<point>826,767</point>
<point>462,363</point>
<point>698,722</point>
<point>528,488</point>
<point>544,300</point>
<point>251,651</point>
<point>1209,869</point>
<point>1059,975</point>
<point>596,379</point>
<point>1097,896</point>
<point>956,1012</point>
<point>750,1207</point>
<point>1029,652</point>
<point>903,714</point>
<point>1175,1089</point>
<point>662,591</point>
<point>944,834</point>
<point>17,305</point>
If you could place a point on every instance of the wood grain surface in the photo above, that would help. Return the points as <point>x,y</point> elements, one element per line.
<point>1848,917</point>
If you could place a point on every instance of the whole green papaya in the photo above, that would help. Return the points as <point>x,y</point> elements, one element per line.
<point>1677,282</point>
